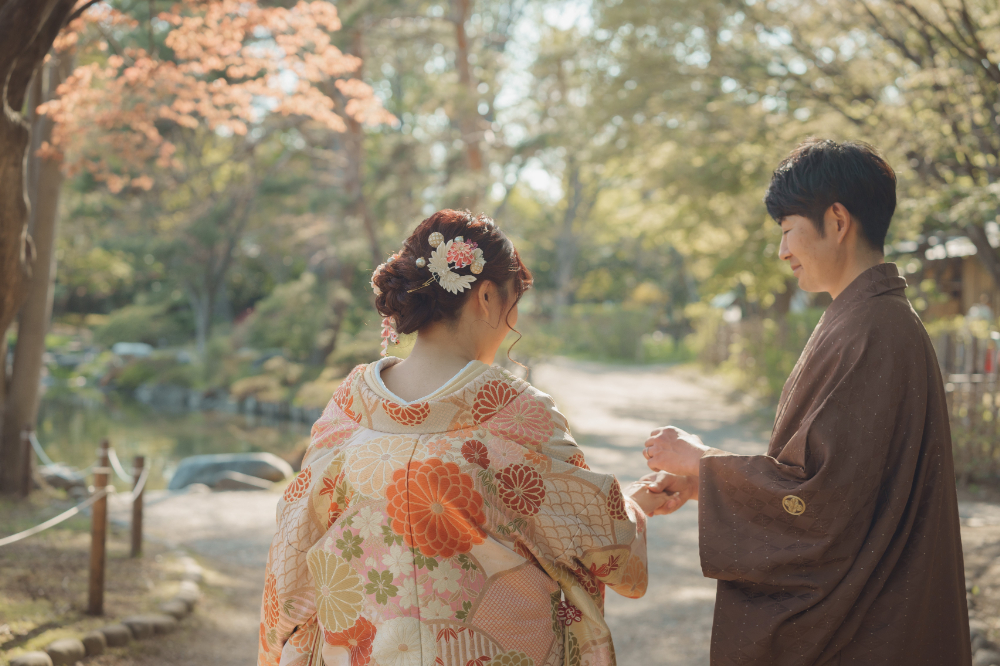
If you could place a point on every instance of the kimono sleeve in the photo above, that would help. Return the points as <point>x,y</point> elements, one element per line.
<point>801,516</point>
<point>288,610</point>
<point>586,524</point>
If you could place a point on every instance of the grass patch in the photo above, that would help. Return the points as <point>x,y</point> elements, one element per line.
<point>43,579</point>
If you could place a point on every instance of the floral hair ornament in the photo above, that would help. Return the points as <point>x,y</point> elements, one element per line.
<point>389,333</point>
<point>456,253</point>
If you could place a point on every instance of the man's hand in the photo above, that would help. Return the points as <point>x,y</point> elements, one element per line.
<point>670,449</point>
<point>684,487</point>
<point>660,493</point>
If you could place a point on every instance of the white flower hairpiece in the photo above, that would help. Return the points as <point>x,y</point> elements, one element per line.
<point>459,254</point>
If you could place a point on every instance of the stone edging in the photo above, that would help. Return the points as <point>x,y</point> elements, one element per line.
<point>136,627</point>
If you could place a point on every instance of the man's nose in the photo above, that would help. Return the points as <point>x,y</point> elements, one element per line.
<point>783,252</point>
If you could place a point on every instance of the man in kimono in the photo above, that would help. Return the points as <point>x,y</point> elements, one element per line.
<point>841,544</point>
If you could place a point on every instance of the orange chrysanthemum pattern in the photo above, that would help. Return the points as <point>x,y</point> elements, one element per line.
<point>408,415</point>
<point>524,420</point>
<point>491,398</point>
<point>358,641</point>
<point>578,460</point>
<point>265,647</point>
<point>270,600</point>
<point>616,502</point>
<point>443,508</point>
<point>333,429</point>
<point>475,453</point>
<point>521,489</point>
<point>299,486</point>
<point>344,398</point>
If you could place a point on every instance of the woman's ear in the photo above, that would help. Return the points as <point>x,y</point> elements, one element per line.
<point>485,298</point>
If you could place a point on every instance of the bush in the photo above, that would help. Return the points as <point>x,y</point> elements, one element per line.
<point>289,319</point>
<point>155,371</point>
<point>760,352</point>
<point>157,325</point>
<point>362,348</point>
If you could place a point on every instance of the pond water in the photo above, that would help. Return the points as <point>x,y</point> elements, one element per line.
<point>72,425</point>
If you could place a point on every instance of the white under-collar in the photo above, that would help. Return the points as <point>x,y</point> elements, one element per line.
<point>392,360</point>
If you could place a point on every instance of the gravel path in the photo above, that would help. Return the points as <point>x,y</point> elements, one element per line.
<point>611,410</point>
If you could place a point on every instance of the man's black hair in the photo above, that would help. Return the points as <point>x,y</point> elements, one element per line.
<point>821,172</point>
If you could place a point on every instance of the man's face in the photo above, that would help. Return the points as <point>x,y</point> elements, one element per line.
<point>812,258</point>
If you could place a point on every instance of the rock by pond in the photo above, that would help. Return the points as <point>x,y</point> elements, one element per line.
<point>210,469</point>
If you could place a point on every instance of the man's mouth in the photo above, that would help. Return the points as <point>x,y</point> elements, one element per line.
<point>795,268</point>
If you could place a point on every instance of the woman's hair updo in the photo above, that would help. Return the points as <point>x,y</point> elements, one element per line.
<point>412,304</point>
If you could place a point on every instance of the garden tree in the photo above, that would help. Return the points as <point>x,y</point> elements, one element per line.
<point>180,112</point>
<point>729,87</point>
<point>699,152</point>
<point>922,78</point>
<point>27,30</point>
<point>43,185</point>
<point>196,129</point>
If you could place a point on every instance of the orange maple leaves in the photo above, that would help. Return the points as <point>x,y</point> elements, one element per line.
<point>231,63</point>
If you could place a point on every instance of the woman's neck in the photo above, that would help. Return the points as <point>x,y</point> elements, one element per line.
<point>439,354</point>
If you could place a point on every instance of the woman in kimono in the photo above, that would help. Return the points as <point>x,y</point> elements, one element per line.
<point>444,516</point>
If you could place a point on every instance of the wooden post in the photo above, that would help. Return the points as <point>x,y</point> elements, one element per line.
<point>27,456</point>
<point>98,535</point>
<point>138,463</point>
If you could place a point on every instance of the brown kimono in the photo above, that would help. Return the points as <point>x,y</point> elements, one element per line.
<point>842,545</point>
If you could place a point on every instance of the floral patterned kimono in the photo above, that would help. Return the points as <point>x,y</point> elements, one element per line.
<point>461,530</point>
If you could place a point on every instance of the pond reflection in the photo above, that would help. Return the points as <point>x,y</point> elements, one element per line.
<point>71,426</point>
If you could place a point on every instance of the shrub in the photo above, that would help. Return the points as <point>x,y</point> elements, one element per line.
<point>289,319</point>
<point>157,325</point>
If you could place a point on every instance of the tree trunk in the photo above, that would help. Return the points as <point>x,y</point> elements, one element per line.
<point>354,143</point>
<point>45,180</point>
<point>468,114</point>
<point>27,30</point>
<point>566,249</point>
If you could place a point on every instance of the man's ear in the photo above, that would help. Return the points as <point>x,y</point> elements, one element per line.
<point>842,220</point>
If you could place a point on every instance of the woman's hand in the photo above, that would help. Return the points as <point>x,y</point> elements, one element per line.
<point>649,497</point>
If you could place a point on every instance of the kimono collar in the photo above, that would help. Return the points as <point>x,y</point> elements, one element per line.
<point>876,281</point>
<point>471,398</point>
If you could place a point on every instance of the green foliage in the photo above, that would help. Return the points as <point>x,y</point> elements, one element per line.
<point>759,352</point>
<point>156,371</point>
<point>156,324</point>
<point>290,318</point>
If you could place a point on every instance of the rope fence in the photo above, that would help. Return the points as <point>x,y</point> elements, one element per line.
<point>107,462</point>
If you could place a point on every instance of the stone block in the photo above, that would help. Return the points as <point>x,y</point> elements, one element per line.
<point>140,626</point>
<point>66,651</point>
<point>94,642</point>
<point>176,608</point>
<point>32,659</point>
<point>116,635</point>
<point>162,623</point>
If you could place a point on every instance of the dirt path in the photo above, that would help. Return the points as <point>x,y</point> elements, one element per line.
<point>612,411</point>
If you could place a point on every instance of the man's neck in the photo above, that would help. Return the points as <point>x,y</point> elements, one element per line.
<point>856,268</point>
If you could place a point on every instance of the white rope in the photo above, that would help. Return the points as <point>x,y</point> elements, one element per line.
<point>52,522</point>
<point>38,448</point>
<point>119,470</point>
<point>130,497</point>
